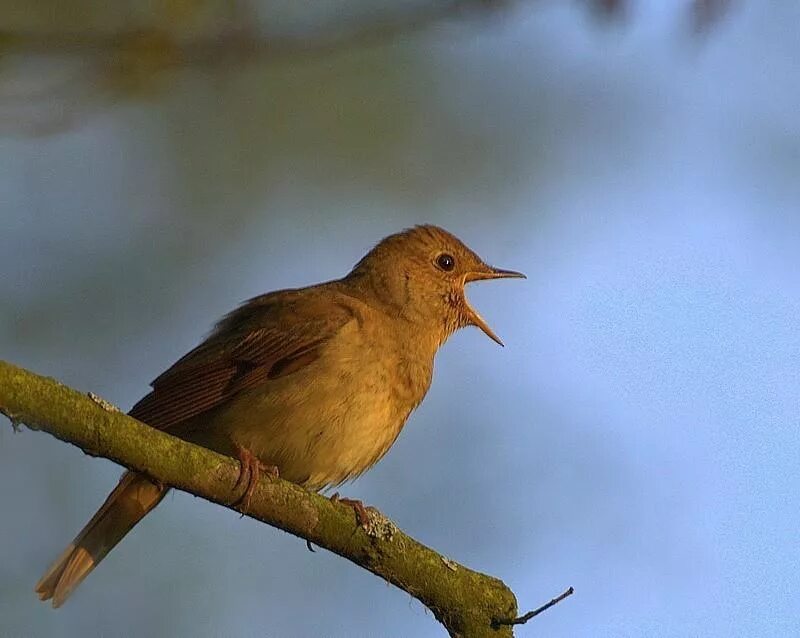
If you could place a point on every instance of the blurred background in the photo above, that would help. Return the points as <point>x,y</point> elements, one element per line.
<point>640,161</point>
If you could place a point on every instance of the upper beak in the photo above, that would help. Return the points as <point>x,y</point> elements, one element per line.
<point>489,273</point>
<point>493,273</point>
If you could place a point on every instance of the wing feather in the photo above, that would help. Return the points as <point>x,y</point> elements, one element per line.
<point>266,338</point>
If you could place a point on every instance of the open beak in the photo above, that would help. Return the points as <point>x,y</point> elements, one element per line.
<point>489,273</point>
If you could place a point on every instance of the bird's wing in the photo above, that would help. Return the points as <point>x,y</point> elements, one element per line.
<point>268,337</point>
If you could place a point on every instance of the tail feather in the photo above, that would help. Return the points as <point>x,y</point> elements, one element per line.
<point>128,503</point>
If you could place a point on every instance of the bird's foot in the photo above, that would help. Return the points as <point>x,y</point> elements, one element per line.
<point>362,516</point>
<point>250,468</point>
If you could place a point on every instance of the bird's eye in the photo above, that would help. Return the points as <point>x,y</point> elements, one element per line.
<point>446,262</point>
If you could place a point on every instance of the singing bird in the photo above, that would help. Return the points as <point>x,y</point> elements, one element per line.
<point>316,382</point>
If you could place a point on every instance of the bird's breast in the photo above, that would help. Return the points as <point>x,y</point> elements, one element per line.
<point>334,418</point>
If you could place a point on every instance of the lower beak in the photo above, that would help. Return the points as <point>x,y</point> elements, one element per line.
<point>490,273</point>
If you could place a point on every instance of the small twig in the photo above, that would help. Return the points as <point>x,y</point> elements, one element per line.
<point>12,419</point>
<point>531,614</point>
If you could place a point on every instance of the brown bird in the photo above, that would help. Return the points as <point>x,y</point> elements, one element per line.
<point>316,382</point>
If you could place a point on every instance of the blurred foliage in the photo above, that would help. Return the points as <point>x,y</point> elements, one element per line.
<point>126,47</point>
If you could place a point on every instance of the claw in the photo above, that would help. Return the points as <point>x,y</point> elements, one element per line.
<point>362,516</point>
<point>250,469</point>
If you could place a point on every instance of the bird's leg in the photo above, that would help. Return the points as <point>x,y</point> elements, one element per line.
<point>250,468</point>
<point>244,469</point>
<point>362,516</point>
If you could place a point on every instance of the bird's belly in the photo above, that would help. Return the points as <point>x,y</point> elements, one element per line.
<point>321,425</point>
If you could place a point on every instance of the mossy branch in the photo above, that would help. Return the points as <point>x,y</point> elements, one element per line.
<point>467,603</point>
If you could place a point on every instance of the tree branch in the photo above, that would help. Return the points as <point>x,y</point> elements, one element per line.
<point>469,604</point>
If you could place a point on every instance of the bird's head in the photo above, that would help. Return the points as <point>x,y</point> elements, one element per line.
<point>421,273</point>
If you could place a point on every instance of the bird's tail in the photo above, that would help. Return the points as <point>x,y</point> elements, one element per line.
<point>130,501</point>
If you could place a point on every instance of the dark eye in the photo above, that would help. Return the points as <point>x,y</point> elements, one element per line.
<point>446,262</point>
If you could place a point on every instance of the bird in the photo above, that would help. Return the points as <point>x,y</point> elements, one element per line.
<point>313,384</point>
